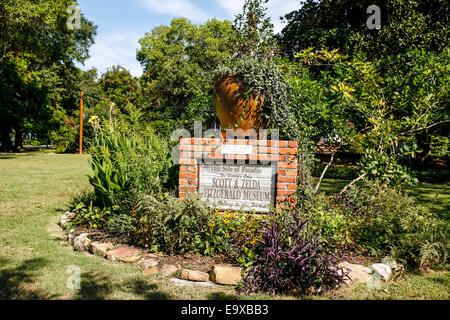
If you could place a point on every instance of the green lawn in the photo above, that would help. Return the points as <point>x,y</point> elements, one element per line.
<point>35,189</point>
<point>435,196</point>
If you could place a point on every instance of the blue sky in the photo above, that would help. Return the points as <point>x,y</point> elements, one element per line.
<point>121,23</point>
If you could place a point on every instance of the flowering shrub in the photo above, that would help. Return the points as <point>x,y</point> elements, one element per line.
<point>229,228</point>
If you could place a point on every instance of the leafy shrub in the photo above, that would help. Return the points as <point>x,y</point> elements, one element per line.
<point>168,224</point>
<point>395,224</point>
<point>234,234</point>
<point>293,260</point>
<point>87,214</point>
<point>127,160</point>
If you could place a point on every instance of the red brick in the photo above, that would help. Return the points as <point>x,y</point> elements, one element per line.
<point>285,165</point>
<point>292,158</point>
<point>236,156</point>
<point>281,186</point>
<point>291,186</point>
<point>182,194</point>
<point>293,144</point>
<point>188,169</point>
<point>188,175</point>
<point>188,161</point>
<point>182,181</point>
<point>286,179</point>
<point>186,154</point>
<point>288,151</point>
<point>185,141</point>
<point>292,173</point>
<point>263,150</point>
<point>215,156</point>
<point>192,182</point>
<point>284,193</point>
<point>188,189</point>
<point>186,147</point>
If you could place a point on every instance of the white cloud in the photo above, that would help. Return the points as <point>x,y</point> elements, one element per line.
<point>275,9</point>
<point>180,8</point>
<point>113,49</point>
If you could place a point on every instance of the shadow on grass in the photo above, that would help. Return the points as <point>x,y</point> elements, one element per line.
<point>147,291</point>
<point>97,286</point>
<point>221,296</point>
<point>18,282</point>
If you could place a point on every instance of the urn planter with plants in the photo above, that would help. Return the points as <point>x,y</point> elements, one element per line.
<point>247,92</point>
<point>250,91</point>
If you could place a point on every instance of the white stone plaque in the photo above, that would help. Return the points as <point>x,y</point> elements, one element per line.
<point>236,149</point>
<point>238,186</point>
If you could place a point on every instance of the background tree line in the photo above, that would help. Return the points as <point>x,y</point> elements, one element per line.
<point>382,94</point>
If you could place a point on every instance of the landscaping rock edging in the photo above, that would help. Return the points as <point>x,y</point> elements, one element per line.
<point>219,274</point>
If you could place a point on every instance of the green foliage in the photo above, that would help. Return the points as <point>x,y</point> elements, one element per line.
<point>234,234</point>
<point>127,158</point>
<point>262,77</point>
<point>38,51</point>
<point>336,172</point>
<point>384,168</point>
<point>170,225</point>
<point>409,52</point>
<point>337,24</point>
<point>255,30</point>
<point>87,213</point>
<point>109,183</point>
<point>178,60</point>
<point>343,101</point>
<point>396,225</point>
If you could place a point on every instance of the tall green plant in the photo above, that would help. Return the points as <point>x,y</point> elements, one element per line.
<point>128,157</point>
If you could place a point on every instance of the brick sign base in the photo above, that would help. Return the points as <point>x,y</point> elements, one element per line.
<point>282,154</point>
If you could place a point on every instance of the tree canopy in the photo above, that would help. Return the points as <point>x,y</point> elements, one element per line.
<point>37,54</point>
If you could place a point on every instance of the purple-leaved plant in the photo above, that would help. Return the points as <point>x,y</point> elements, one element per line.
<point>293,261</point>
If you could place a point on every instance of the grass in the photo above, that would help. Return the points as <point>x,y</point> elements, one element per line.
<point>34,255</point>
<point>435,196</point>
<point>35,189</point>
<point>428,286</point>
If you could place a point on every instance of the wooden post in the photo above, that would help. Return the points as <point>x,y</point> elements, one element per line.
<point>81,123</point>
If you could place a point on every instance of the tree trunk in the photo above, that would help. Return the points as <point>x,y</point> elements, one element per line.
<point>324,171</point>
<point>353,182</point>
<point>18,144</point>
<point>5,139</point>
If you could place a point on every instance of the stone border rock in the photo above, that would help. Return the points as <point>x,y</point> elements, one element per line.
<point>218,275</point>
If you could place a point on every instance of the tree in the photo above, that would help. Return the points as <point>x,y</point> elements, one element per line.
<point>341,24</point>
<point>409,50</point>
<point>178,61</point>
<point>35,41</point>
<point>345,102</point>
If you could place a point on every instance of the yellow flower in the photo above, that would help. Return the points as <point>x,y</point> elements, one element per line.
<point>226,221</point>
<point>94,121</point>
<point>211,224</point>
<point>227,235</point>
